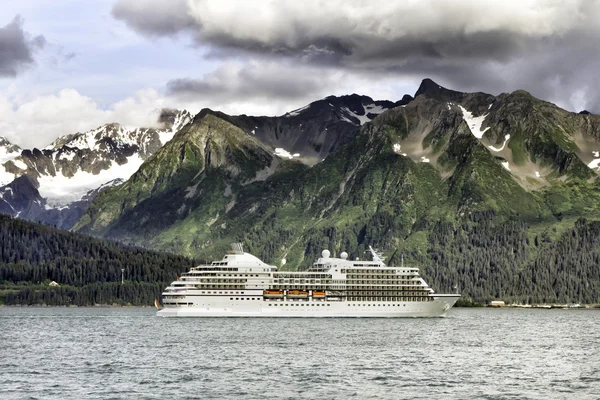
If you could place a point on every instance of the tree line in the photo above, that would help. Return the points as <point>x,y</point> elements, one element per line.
<point>88,270</point>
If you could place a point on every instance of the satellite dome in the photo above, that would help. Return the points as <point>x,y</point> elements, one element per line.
<point>325,254</point>
<point>344,255</point>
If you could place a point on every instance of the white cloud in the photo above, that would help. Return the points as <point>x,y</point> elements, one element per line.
<point>38,121</point>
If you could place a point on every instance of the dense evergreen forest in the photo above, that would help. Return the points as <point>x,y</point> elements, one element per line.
<point>489,260</point>
<point>87,269</point>
<point>485,259</point>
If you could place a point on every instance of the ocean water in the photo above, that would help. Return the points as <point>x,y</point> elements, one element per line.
<point>128,353</point>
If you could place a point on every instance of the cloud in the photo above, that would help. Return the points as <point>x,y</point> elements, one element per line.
<point>39,121</point>
<point>256,81</point>
<point>269,87</point>
<point>467,44</point>
<point>154,18</point>
<point>16,49</point>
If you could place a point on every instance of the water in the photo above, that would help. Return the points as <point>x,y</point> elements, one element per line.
<point>112,353</point>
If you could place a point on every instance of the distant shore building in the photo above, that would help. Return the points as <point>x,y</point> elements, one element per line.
<point>53,284</point>
<point>497,303</point>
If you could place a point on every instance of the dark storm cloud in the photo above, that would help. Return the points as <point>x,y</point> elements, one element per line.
<point>254,81</point>
<point>16,50</point>
<point>547,47</point>
<point>154,18</point>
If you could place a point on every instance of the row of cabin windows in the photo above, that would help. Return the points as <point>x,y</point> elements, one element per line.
<point>390,298</point>
<point>289,275</point>
<point>245,298</point>
<point>215,292</point>
<point>376,305</point>
<point>390,293</point>
<point>299,304</point>
<point>223,286</point>
<point>218,274</point>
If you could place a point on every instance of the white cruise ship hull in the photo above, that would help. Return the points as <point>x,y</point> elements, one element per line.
<point>223,307</point>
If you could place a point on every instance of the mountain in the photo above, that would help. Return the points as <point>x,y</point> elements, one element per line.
<point>65,176</point>
<point>210,158</point>
<point>475,189</point>
<point>88,271</point>
<point>310,133</point>
<point>8,151</point>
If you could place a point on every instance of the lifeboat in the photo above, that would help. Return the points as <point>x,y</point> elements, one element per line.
<point>297,294</point>
<point>273,293</point>
<point>318,294</point>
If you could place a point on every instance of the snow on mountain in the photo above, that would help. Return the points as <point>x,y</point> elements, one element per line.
<point>370,111</point>
<point>173,121</point>
<point>474,122</point>
<point>282,153</point>
<point>60,190</point>
<point>506,139</point>
<point>75,165</point>
<point>8,151</point>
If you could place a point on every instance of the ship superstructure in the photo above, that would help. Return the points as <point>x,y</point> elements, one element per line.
<point>241,285</point>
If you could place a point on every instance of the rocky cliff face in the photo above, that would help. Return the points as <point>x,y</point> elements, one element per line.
<point>309,134</point>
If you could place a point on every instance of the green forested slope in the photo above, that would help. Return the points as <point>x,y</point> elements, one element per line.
<point>471,206</point>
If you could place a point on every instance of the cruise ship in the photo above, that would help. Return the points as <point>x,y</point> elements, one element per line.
<point>241,285</point>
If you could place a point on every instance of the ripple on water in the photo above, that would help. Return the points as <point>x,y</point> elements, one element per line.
<point>58,353</point>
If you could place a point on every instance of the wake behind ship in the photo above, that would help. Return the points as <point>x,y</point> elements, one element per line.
<point>241,285</point>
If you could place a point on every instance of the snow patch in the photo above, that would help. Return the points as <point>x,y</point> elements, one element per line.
<point>506,165</point>
<point>19,164</point>
<point>474,123</point>
<point>67,156</point>
<point>363,119</point>
<point>506,138</point>
<point>397,149</point>
<point>594,164</point>
<point>374,109</point>
<point>6,155</point>
<point>282,153</point>
<point>60,190</point>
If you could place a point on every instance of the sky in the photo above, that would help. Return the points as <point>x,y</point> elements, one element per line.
<point>68,66</point>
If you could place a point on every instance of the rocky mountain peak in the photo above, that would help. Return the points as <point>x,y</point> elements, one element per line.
<point>8,151</point>
<point>433,90</point>
<point>173,119</point>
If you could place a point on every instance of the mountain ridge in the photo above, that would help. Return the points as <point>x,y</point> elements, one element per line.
<point>438,164</point>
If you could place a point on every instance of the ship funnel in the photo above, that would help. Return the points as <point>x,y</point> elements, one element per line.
<point>237,248</point>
